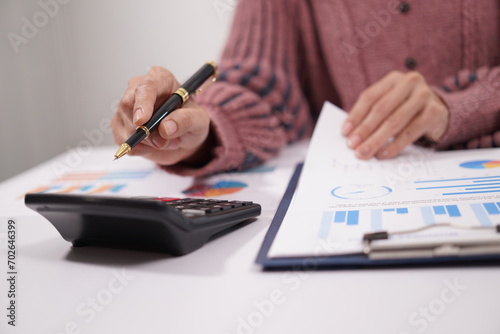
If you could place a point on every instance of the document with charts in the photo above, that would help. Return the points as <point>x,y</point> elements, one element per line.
<point>339,198</point>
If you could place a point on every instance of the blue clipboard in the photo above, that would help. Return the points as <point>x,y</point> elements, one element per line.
<point>357,261</point>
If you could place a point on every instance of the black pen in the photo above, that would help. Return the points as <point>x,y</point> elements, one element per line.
<point>179,97</point>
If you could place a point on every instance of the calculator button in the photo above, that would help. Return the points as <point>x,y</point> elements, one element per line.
<point>203,202</point>
<point>188,200</point>
<point>208,209</point>
<point>166,199</point>
<point>182,207</point>
<point>220,207</point>
<point>183,201</point>
<point>242,203</point>
<point>194,212</point>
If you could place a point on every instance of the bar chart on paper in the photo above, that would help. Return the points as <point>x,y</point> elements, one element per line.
<point>92,182</point>
<point>403,218</point>
<point>339,198</point>
<point>461,186</point>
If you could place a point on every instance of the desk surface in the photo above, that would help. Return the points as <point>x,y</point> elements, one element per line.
<point>219,288</point>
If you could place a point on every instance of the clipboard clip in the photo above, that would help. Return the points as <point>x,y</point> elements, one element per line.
<point>380,245</point>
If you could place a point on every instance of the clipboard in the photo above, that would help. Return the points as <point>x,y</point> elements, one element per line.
<point>474,251</point>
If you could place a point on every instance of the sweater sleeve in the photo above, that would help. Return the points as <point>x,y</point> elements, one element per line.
<point>473,99</point>
<point>256,105</point>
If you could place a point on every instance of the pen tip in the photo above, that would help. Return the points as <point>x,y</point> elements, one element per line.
<point>124,149</point>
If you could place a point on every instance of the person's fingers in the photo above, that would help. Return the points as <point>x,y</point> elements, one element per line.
<point>415,129</point>
<point>173,144</point>
<point>127,100</point>
<point>394,123</point>
<point>366,100</point>
<point>441,118</point>
<point>156,141</point>
<point>183,133</point>
<point>158,84</point>
<point>142,150</point>
<point>121,132</point>
<point>145,98</point>
<point>121,125</point>
<point>185,126</point>
<point>189,124</point>
<point>380,112</point>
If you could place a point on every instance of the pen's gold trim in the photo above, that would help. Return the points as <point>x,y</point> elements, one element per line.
<point>145,129</point>
<point>214,78</point>
<point>122,150</point>
<point>184,95</point>
<point>213,64</point>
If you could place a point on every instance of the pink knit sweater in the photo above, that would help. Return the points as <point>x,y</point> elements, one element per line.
<point>284,58</point>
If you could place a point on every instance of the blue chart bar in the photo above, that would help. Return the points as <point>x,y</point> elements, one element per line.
<point>398,211</point>
<point>330,217</point>
<point>340,217</point>
<point>473,192</point>
<point>117,188</point>
<point>482,188</point>
<point>462,186</point>
<point>352,217</point>
<point>86,187</point>
<point>462,179</point>
<point>481,215</point>
<point>491,208</point>
<point>51,189</point>
<point>439,210</point>
<point>453,211</point>
<point>376,216</point>
<point>484,214</point>
<point>427,215</point>
<point>326,221</point>
<point>478,181</point>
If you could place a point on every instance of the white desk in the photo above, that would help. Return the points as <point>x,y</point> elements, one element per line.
<point>219,289</point>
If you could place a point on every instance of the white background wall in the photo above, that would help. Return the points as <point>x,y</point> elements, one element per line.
<point>64,77</point>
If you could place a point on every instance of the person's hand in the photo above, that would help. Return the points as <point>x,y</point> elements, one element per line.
<point>181,136</point>
<point>392,114</point>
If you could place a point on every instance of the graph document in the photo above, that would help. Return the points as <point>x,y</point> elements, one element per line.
<point>339,198</point>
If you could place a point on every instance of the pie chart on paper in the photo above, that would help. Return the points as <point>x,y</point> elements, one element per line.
<point>219,188</point>
<point>481,164</point>
<point>360,191</point>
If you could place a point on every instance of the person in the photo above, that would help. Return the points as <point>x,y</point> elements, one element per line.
<point>406,72</point>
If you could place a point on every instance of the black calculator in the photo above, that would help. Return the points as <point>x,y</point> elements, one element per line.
<point>172,225</point>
